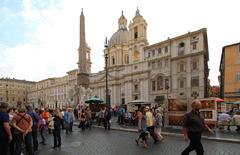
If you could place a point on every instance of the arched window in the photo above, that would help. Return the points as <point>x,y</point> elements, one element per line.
<point>126,59</point>
<point>113,60</point>
<point>160,83</point>
<point>181,48</point>
<point>136,56</point>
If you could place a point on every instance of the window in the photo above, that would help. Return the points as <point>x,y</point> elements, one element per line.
<point>181,83</point>
<point>149,54</point>
<point>166,49</point>
<point>126,59</point>
<point>135,32</point>
<point>181,48</point>
<point>181,67</point>
<point>159,51</point>
<point>160,83</point>
<point>166,62</point>
<point>194,65</point>
<point>238,77</point>
<point>159,63</point>
<point>153,53</point>
<point>153,64</point>
<point>195,82</point>
<point>149,64</point>
<point>13,99</point>
<point>194,45</point>
<point>153,86</point>
<point>166,84</point>
<point>135,87</point>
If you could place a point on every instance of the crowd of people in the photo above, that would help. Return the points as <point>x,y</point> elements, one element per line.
<point>229,119</point>
<point>20,127</point>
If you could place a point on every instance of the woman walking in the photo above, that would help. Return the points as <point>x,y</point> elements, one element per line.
<point>57,128</point>
<point>142,128</point>
<point>158,124</point>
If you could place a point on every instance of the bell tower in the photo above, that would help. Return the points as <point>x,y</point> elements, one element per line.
<point>137,37</point>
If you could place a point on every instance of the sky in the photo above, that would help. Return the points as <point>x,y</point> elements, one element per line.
<point>39,38</point>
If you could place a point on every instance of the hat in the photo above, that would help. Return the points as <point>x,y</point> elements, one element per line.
<point>147,107</point>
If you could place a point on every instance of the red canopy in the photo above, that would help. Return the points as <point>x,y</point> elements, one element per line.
<point>219,100</point>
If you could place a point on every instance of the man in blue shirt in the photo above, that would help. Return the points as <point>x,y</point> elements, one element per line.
<point>5,132</point>
<point>68,120</point>
<point>35,119</point>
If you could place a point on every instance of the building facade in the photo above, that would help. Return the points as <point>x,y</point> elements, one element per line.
<point>174,70</point>
<point>14,91</point>
<point>230,73</point>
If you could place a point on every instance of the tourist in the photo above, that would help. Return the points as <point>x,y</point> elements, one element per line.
<point>193,127</point>
<point>6,135</point>
<point>236,119</point>
<point>150,124</point>
<point>22,122</point>
<point>107,118</point>
<point>88,118</point>
<point>57,118</point>
<point>142,128</point>
<point>35,119</point>
<point>42,128</point>
<point>11,113</point>
<point>68,120</point>
<point>158,124</point>
<point>82,120</point>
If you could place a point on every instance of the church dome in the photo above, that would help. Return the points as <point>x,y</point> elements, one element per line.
<point>121,36</point>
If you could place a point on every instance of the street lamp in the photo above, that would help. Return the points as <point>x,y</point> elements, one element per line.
<point>106,69</point>
<point>166,87</point>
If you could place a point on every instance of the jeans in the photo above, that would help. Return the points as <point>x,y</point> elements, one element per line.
<point>150,129</point>
<point>42,133</point>
<point>68,127</point>
<point>195,144</point>
<point>4,146</point>
<point>34,137</point>
<point>107,124</point>
<point>28,143</point>
<point>57,137</point>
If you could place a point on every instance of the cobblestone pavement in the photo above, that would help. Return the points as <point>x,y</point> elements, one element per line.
<point>101,142</point>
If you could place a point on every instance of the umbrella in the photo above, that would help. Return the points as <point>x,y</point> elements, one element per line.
<point>94,99</point>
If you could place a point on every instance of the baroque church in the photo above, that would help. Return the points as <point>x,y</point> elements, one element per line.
<point>170,73</point>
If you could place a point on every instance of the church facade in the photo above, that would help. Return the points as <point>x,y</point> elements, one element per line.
<point>170,73</point>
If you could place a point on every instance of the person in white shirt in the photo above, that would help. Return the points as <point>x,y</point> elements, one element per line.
<point>236,118</point>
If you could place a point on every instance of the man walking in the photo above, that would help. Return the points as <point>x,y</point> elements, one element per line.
<point>193,127</point>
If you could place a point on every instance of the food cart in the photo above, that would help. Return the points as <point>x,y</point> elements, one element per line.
<point>210,108</point>
<point>136,104</point>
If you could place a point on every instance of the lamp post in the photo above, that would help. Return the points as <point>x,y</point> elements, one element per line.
<point>106,68</point>
<point>166,119</point>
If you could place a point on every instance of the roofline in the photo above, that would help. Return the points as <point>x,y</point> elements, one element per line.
<point>223,52</point>
<point>231,45</point>
<point>204,30</point>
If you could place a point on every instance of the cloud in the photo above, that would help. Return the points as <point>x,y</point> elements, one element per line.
<point>49,51</point>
